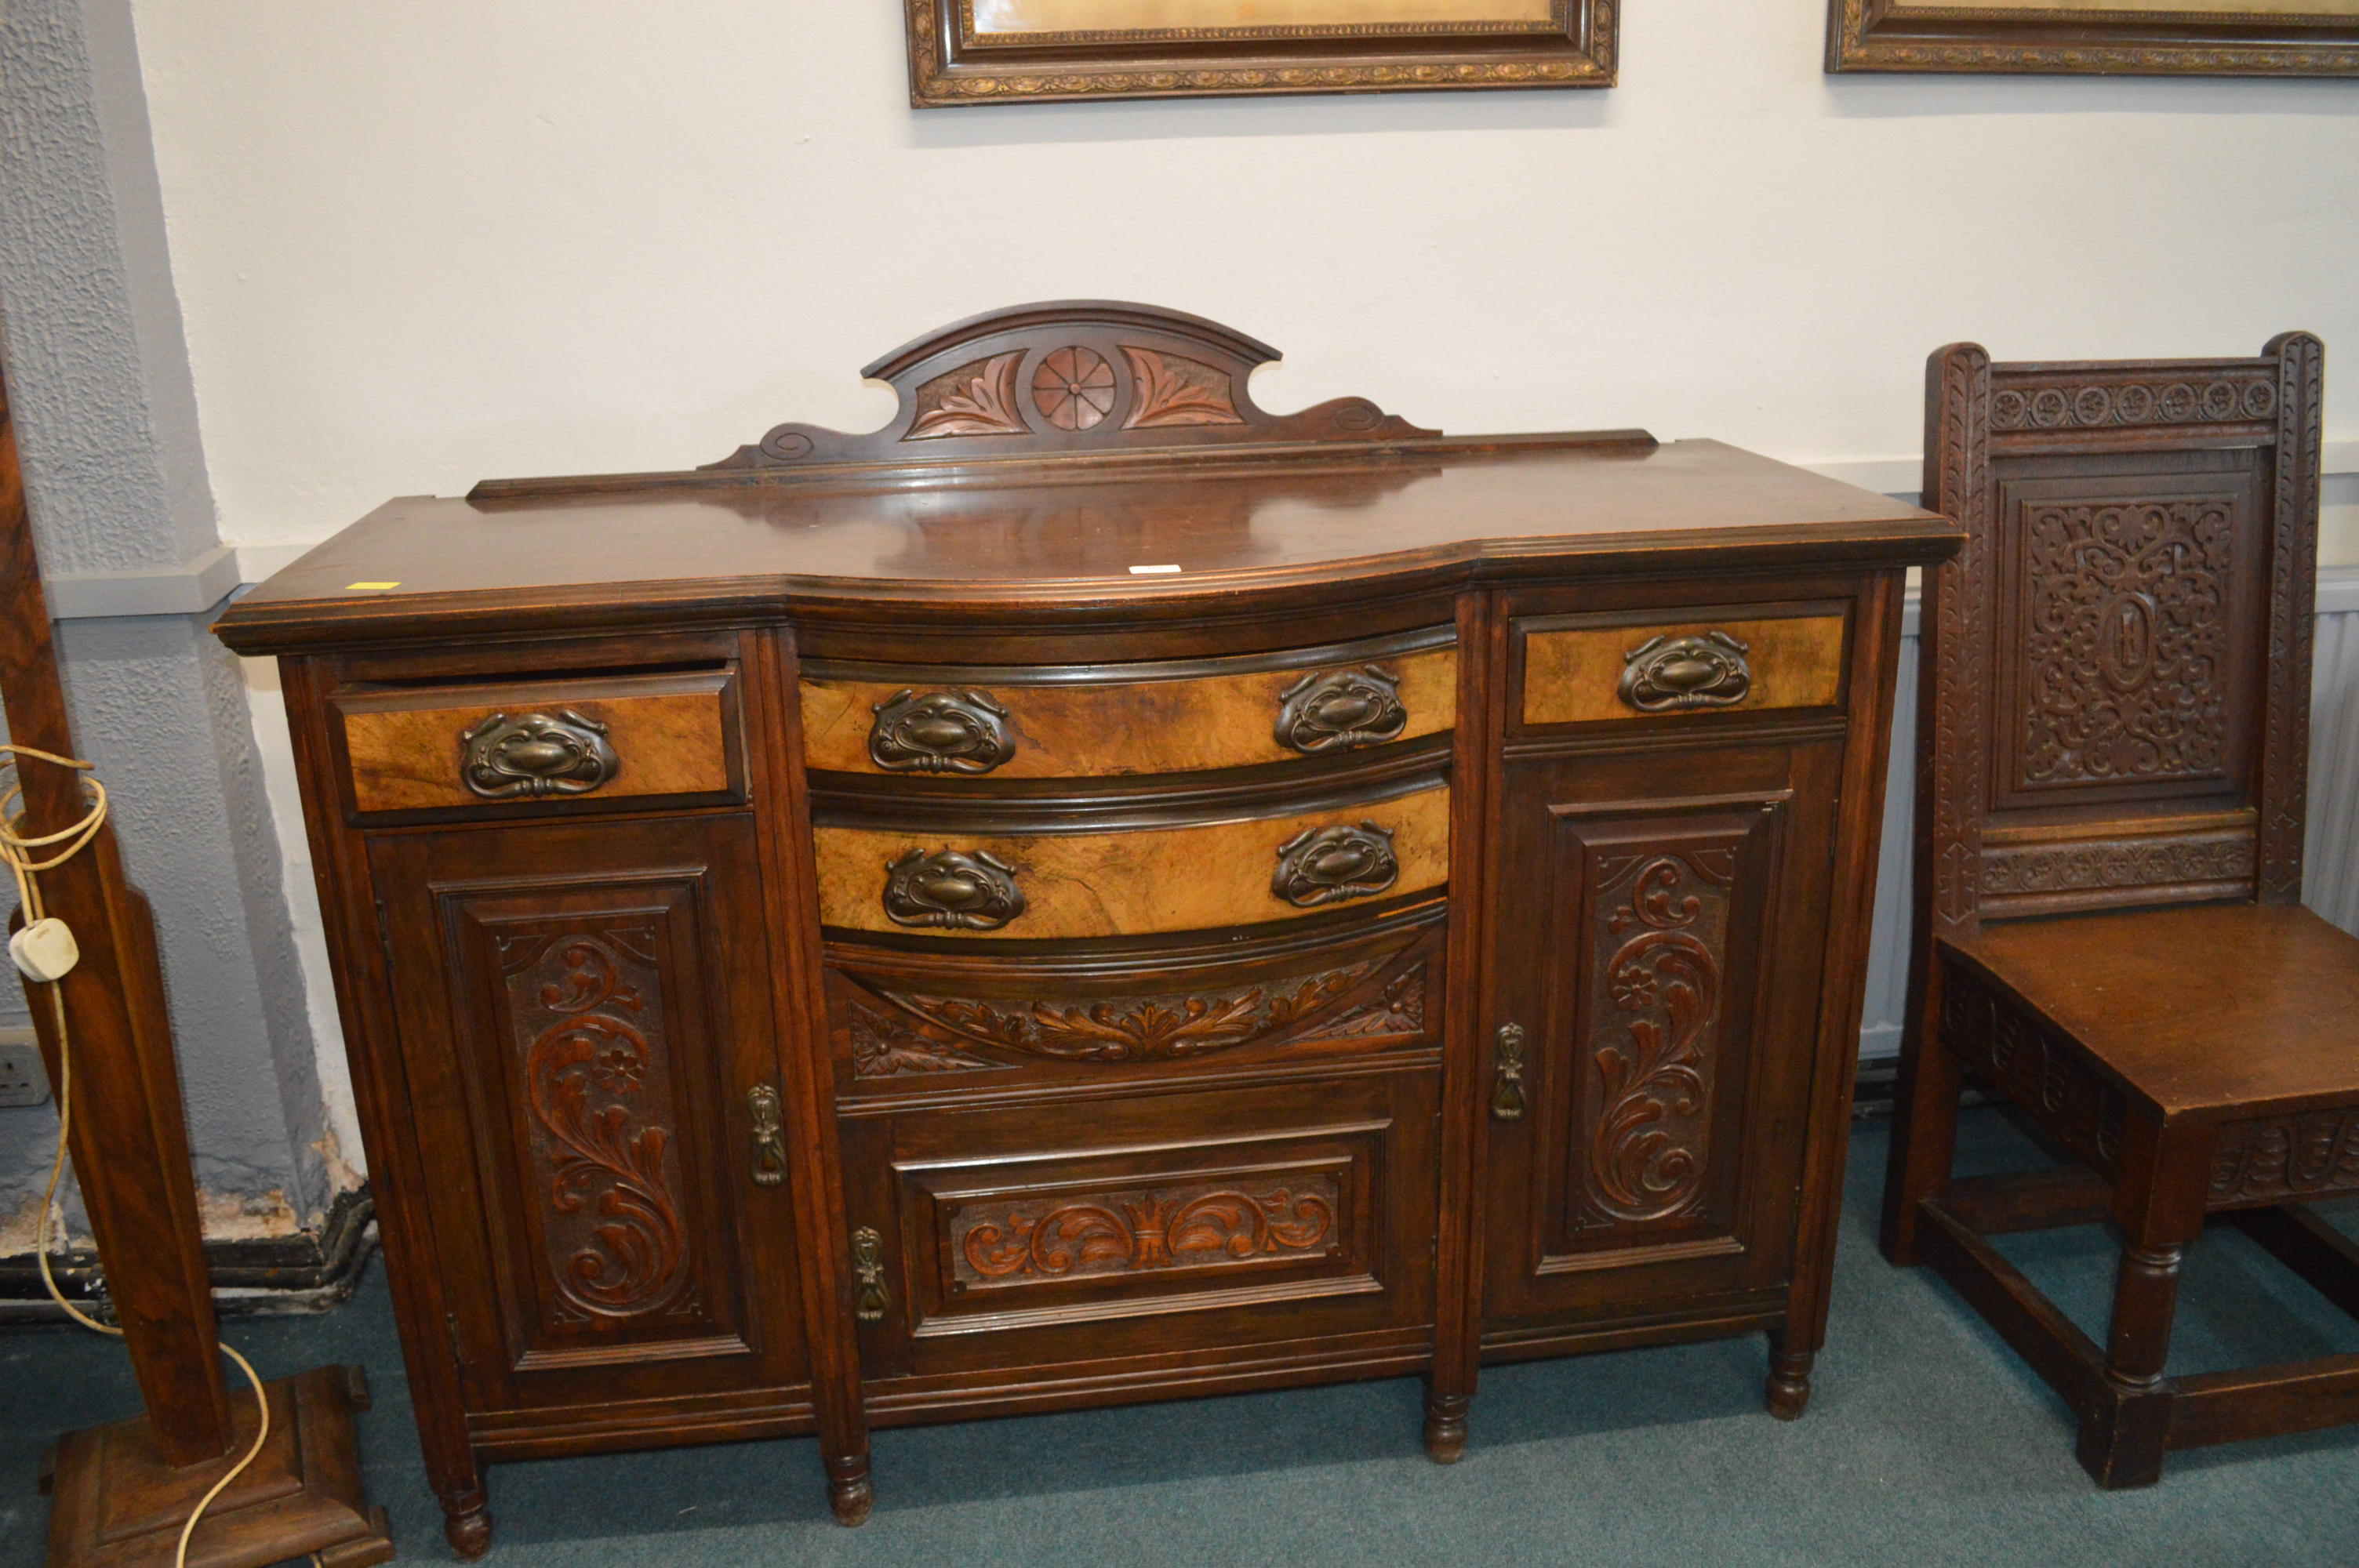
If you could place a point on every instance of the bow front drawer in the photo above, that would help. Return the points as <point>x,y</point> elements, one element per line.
<point>1095,721</point>
<point>543,743</point>
<point>1584,669</point>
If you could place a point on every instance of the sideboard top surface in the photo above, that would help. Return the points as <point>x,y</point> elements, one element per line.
<point>1056,537</point>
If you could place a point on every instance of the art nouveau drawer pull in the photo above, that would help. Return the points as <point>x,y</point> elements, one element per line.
<point>869,1301</point>
<point>1668,673</point>
<point>1507,1096</point>
<point>951,888</point>
<point>768,1164</point>
<point>1340,711</point>
<point>1329,865</point>
<point>537,755</point>
<point>940,732</point>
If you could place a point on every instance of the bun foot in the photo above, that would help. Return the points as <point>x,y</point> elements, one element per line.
<point>1445,1428</point>
<point>851,1498</point>
<point>467,1525</point>
<point>1789,1391</point>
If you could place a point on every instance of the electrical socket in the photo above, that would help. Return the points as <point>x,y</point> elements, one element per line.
<point>22,1079</point>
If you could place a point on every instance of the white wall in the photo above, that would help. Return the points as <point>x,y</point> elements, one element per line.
<point>419,245</point>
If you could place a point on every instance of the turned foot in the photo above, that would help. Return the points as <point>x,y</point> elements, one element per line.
<point>1445,1428</point>
<point>1789,1391</point>
<point>851,1495</point>
<point>467,1525</point>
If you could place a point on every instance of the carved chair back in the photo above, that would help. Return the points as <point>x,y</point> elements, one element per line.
<point>2115,696</point>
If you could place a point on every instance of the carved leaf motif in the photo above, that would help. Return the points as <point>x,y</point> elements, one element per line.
<point>1172,390</point>
<point>886,1043</point>
<point>1138,1229</point>
<point>1397,1011</point>
<point>976,399</point>
<point>2125,631</point>
<point>587,1071</point>
<point>1137,1029</point>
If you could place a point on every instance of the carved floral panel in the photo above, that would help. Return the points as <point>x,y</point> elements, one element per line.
<point>586,1013</point>
<point>1141,1228</point>
<point>2122,640</point>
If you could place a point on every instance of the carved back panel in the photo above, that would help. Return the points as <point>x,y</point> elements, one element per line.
<point>1071,376</point>
<point>2115,688</point>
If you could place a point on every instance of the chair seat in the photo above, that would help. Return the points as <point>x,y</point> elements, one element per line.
<point>2202,1013</point>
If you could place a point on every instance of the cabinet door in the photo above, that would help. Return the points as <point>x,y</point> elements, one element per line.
<point>1660,927</point>
<point>584,1010</point>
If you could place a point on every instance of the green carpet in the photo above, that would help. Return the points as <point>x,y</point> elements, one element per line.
<point>1927,1443</point>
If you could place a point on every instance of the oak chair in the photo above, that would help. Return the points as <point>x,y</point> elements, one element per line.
<point>2113,745</point>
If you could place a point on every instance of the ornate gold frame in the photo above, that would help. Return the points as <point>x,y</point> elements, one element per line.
<point>951,65</point>
<point>2126,38</point>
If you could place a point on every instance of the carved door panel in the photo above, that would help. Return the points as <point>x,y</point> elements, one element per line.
<point>1109,1232</point>
<point>586,1013</point>
<point>1659,942</point>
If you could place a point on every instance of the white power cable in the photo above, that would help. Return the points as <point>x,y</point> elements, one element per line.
<point>46,952</point>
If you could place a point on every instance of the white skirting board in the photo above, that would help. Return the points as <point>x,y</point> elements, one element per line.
<point>2330,872</point>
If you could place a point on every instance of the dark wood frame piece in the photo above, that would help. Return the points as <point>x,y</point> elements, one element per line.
<point>2151,1174</point>
<point>2128,40</point>
<point>949,65</point>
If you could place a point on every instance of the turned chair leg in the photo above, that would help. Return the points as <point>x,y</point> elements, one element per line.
<point>1445,1426</point>
<point>1787,1392</point>
<point>1924,1129</point>
<point>2122,1443</point>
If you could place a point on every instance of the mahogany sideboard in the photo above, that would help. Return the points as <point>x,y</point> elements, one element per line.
<point>1093,893</point>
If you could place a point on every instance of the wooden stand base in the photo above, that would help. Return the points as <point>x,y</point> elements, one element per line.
<point>116,1505</point>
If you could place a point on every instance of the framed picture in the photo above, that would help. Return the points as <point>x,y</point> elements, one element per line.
<point>1003,52</point>
<point>2097,37</point>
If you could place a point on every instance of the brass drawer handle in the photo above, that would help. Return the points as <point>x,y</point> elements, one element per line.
<point>1507,1099</point>
<point>940,733</point>
<point>868,1275</point>
<point>1668,673</point>
<point>769,1163</point>
<point>540,753</point>
<point>951,888</point>
<point>1329,865</point>
<point>1340,710</point>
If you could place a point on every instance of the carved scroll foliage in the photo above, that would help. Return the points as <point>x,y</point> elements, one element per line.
<point>1661,934</point>
<point>588,1007</point>
<point>1170,390</point>
<point>1957,595</point>
<point>2125,631</point>
<point>886,1043</point>
<point>2030,869</point>
<point>976,399</point>
<point>2286,1157</point>
<point>1139,1229</point>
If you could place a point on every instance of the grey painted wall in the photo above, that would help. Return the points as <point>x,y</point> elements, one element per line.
<point>106,416</point>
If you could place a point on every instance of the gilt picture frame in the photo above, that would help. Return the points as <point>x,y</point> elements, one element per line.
<point>2096,38</point>
<point>967,52</point>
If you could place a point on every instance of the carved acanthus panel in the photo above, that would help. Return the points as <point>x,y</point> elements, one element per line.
<point>1139,1229</point>
<point>2123,639</point>
<point>895,1033</point>
<point>1171,390</point>
<point>2286,1157</point>
<point>587,1013</point>
<point>977,399</point>
<point>1656,978</point>
<point>2033,1066</point>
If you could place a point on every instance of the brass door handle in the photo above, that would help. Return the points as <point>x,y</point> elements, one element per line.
<point>1507,1099</point>
<point>868,1275</point>
<point>767,1164</point>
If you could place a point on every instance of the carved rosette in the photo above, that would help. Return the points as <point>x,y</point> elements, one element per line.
<point>1340,711</point>
<point>1141,1229</point>
<point>2210,400</point>
<point>2124,641</point>
<point>1074,388</point>
<point>940,732</point>
<point>951,889</point>
<point>1671,674</point>
<point>1662,928</point>
<point>535,754</point>
<point>1331,865</point>
<point>591,1002</point>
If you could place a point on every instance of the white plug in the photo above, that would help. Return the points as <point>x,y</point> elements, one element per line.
<point>45,950</point>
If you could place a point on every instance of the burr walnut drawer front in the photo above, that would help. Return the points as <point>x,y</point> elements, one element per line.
<point>1085,721</point>
<point>1057,881</point>
<point>537,743</point>
<point>1581,669</point>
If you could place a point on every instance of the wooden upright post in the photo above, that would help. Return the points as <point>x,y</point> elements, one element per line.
<point>112,1484</point>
